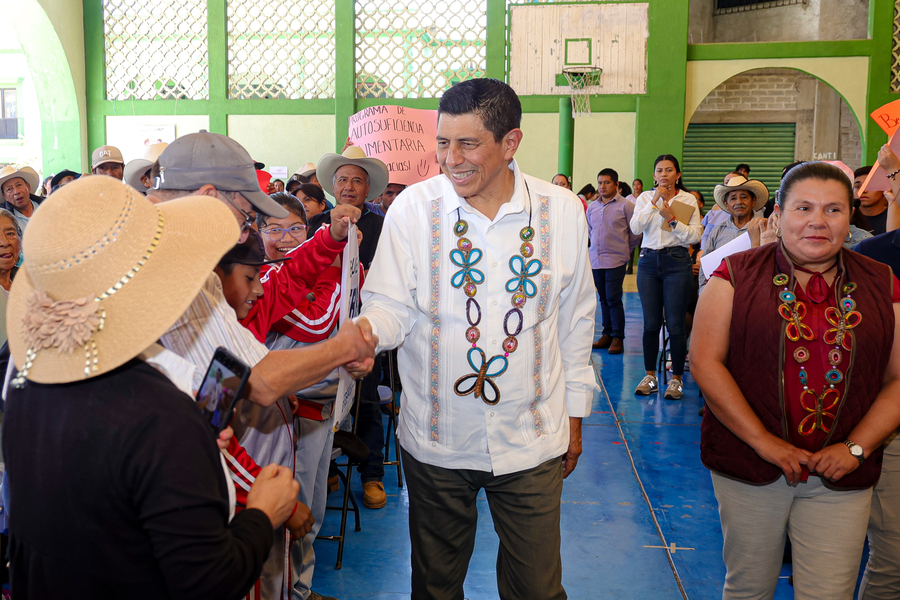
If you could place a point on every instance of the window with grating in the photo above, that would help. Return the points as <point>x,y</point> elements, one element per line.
<point>895,50</point>
<point>156,49</point>
<point>418,48</point>
<point>281,49</point>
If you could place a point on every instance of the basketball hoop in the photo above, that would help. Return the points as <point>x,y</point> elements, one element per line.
<point>582,80</point>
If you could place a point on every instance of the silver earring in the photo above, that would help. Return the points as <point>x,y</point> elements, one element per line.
<point>849,237</point>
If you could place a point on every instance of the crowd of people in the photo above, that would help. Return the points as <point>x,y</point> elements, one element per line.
<point>483,282</point>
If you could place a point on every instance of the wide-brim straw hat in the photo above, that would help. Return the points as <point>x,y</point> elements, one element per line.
<point>106,273</point>
<point>306,170</point>
<point>137,167</point>
<point>27,174</point>
<point>353,155</point>
<point>754,186</point>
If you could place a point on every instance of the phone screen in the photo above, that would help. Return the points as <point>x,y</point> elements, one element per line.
<point>217,394</point>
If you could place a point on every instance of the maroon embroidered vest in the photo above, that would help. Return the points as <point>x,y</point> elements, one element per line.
<point>756,358</point>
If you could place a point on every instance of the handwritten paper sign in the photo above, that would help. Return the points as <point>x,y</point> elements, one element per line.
<point>888,117</point>
<point>403,138</point>
<point>346,392</point>
<point>877,180</point>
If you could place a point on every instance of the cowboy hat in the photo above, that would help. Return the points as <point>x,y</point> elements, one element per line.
<point>738,182</point>
<point>27,174</point>
<point>136,168</point>
<point>62,175</point>
<point>88,301</point>
<point>306,170</point>
<point>353,155</point>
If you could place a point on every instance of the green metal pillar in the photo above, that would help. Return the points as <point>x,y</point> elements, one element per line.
<point>566,137</point>
<point>345,69</point>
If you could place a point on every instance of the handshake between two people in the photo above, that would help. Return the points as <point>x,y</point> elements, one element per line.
<point>360,344</point>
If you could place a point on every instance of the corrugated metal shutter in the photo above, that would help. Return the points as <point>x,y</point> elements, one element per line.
<point>712,150</point>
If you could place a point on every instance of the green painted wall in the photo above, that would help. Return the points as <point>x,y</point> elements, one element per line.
<point>285,140</point>
<point>657,118</point>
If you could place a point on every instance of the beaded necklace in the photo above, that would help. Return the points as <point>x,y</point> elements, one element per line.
<point>842,319</point>
<point>521,288</point>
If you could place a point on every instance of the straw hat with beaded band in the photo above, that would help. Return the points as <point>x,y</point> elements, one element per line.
<point>106,273</point>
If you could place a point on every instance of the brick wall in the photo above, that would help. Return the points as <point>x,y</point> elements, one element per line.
<point>760,90</point>
<point>851,146</point>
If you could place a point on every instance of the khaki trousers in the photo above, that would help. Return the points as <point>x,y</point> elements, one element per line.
<point>827,530</point>
<point>881,580</point>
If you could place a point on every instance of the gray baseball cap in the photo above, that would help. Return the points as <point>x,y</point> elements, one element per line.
<point>205,158</point>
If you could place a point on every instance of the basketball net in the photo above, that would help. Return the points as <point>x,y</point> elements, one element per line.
<point>582,80</point>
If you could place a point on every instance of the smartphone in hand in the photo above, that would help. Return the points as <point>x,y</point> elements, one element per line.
<point>222,387</point>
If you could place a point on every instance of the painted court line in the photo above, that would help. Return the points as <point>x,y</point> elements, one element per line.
<point>670,549</point>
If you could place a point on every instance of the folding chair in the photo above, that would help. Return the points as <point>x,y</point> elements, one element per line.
<point>392,431</point>
<point>344,476</point>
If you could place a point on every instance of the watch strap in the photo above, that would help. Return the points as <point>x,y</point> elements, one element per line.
<point>850,446</point>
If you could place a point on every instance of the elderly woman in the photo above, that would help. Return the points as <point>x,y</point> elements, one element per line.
<point>664,277</point>
<point>10,248</point>
<point>796,347</point>
<point>739,198</point>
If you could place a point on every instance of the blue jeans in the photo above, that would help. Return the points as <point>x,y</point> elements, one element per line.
<point>665,280</point>
<point>609,287</point>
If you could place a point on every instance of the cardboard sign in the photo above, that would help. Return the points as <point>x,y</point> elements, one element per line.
<point>888,117</point>
<point>403,138</point>
<point>877,180</point>
<point>346,392</point>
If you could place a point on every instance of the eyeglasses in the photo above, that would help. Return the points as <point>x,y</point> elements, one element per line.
<point>248,218</point>
<point>276,234</point>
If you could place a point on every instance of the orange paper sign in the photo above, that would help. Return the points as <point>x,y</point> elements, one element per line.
<point>403,138</point>
<point>888,117</point>
<point>877,179</point>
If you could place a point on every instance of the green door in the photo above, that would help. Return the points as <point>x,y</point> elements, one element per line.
<point>712,150</point>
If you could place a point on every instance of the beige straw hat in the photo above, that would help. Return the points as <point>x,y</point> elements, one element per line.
<point>353,155</point>
<point>739,182</point>
<point>106,273</point>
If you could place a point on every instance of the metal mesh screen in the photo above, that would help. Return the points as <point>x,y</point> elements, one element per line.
<point>895,50</point>
<point>281,49</point>
<point>155,49</point>
<point>418,48</point>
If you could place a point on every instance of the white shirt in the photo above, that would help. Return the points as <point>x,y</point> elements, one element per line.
<point>410,303</point>
<point>646,220</point>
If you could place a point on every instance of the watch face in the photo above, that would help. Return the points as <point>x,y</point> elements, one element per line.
<point>856,451</point>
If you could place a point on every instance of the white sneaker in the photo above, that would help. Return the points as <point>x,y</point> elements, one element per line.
<point>674,390</point>
<point>648,385</point>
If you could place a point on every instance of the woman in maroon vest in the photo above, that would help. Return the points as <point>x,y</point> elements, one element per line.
<point>795,345</point>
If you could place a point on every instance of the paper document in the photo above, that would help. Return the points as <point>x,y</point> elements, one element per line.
<point>346,393</point>
<point>710,262</point>
<point>683,212</point>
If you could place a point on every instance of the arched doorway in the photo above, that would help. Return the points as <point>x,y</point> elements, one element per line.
<point>60,117</point>
<point>768,118</point>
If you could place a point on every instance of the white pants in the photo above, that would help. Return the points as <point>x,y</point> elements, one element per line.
<point>882,578</point>
<point>827,530</point>
<point>314,441</point>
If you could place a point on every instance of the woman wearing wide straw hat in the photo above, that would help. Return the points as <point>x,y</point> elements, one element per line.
<point>740,198</point>
<point>797,348</point>
<point>116,484</point>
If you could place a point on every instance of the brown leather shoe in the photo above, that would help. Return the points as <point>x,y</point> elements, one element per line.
<point>602,343</point>
<point>373,495</point>
<point>616,347</point>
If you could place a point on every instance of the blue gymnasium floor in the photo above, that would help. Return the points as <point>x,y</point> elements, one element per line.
<point>639,518</point>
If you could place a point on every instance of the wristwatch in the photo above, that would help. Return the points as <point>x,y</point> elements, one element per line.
<point>673,223</point>
<point>856,450</point>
